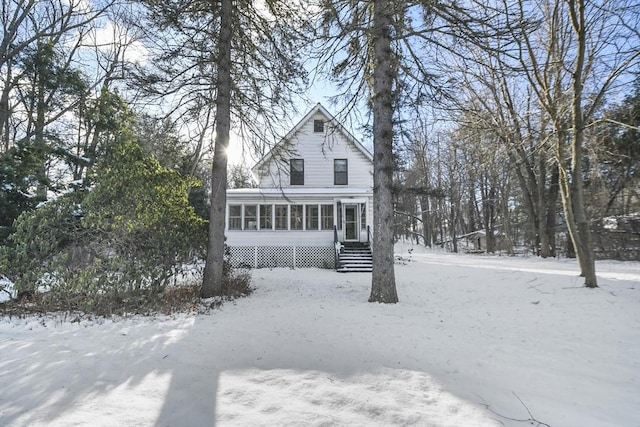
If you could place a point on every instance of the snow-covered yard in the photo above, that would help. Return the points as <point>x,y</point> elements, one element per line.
<point>470,338</point>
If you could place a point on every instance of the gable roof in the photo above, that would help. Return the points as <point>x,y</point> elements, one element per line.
<point>318,108</point>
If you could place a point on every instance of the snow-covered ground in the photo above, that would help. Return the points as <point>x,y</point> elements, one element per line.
<point>472,337</point>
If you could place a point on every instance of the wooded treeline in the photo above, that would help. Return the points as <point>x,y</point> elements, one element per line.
<point>519,120</point>
<point>454,187</point>
<point>541,140</point>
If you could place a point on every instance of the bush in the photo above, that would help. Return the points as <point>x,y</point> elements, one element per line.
<point>237,284</point>
<point>113,249</point>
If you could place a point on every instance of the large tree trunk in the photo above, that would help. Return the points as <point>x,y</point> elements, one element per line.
<point>584,244</point>
<point>552,200</point>
<point>43,59</point>
<point>543,206</point>
<point>528,184</point>
<point>453,223</point>
<point>5,113</point>
<point>491,231</point>
<point>213,271</point>
<point>383,281</point>
<point>547,207</point>
<point>425,207</point>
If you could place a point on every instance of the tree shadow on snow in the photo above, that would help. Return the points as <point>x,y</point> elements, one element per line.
<point>312,353</point>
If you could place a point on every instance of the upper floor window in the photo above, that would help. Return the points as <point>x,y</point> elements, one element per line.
<point>296,172</point>
<point>318,126</point>
<point>340,172</point>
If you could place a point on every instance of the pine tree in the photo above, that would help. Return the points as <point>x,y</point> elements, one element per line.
<point>229,65</point>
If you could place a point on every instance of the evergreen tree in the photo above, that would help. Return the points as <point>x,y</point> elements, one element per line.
<point>227,64</point>
<point>128,235</point>
<point>380,52</point>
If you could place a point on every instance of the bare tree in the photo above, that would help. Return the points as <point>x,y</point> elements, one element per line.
<point>39,32</point>
<point>578,55</point>
<point>48,77</point>
<point>539,92</point>
<point>494,100</point>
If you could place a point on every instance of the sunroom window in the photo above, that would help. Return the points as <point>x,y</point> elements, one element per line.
<point>312,217</point>
<point>326,213</point>
<point>250,217</point>
<point>235,217</point>
<point>281,217</point>
<point>265,217</point>
<point>296,217</point>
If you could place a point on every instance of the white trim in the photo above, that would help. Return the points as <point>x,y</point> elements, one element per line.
<point>314,191</point>
<point>357,214</point>
<point>352,201</point>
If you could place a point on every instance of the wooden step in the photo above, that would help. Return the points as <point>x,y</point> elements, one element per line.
<point>355,258</point>
<point>355,270</point>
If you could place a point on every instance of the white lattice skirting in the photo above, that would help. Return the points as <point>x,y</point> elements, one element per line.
<point>282,256</point>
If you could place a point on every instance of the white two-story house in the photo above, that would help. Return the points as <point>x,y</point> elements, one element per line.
<point>315,194</point>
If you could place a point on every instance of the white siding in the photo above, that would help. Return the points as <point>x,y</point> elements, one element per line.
<point>318,150</point>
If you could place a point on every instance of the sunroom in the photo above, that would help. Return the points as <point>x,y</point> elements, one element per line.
<point>296,227</point>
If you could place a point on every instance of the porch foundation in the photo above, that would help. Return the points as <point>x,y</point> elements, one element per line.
<point>282,256</point>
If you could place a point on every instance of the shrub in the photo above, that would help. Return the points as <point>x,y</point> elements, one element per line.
<point>237,284</point>
<point>115,248</point>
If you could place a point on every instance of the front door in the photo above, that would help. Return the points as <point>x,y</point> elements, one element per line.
<point>351,223</point>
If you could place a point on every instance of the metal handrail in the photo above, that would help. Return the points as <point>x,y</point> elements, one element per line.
<point>369,237</point>
<point>336,246</point>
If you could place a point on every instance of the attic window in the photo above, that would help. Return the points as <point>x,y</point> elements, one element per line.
<point>318,126</point>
